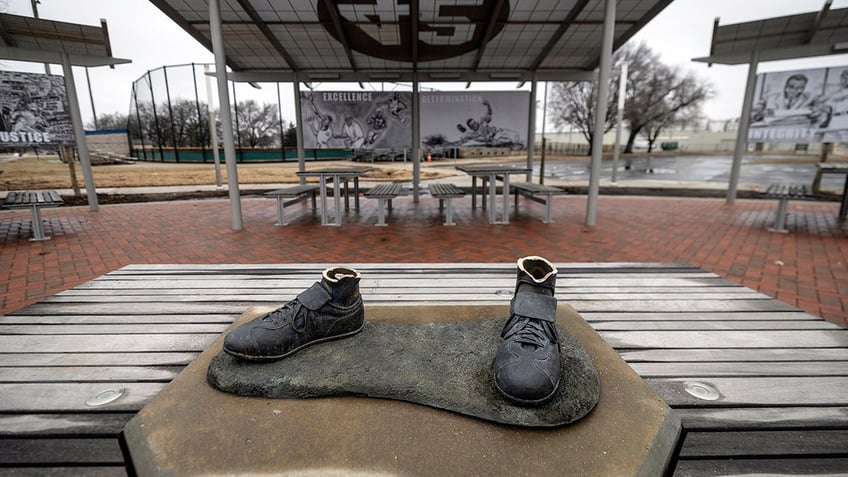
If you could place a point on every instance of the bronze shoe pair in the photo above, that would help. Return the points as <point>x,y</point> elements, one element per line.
<point>526,368</point>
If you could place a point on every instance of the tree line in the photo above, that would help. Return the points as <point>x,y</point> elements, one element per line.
<point>185,123</point>
<point>658,97</point>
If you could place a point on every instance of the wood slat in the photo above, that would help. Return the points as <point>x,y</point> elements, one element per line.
<point>693,300</point>
<point>128,329</point>
<point>795,315</point>
<point>91,374</point>
<point>761,391</point>
<point>105,343</point>
<point>761,467</point>
<point>60,451</point>
<point>160,308</point>
<point>63,424</point>
<point>64,397</point>
<point>735,355</point>
<point>57,471</point>
<point>763,418</point>
<point>564,291</point>
<point>405,282</point>
<point>727,339</point>
<point>97,359</point>
<point>470,266</point>
<point>765,443</point>
<point>709,325</point>
<point>115,319</point>
<point>806,368</point>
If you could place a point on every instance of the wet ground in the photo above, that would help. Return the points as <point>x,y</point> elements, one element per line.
<point>759,169</point>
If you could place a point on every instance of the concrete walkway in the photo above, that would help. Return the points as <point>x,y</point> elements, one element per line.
<point>806,268</point>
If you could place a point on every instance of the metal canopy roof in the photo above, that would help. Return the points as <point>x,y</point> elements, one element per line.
<point>796,36</point>
<point>386,40</point>
<point>35,39</point>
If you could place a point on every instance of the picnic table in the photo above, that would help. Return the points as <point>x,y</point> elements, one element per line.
<point>336,175</point>
<point>34,200</point>
<point>760,386</point>
<point>492,173</point>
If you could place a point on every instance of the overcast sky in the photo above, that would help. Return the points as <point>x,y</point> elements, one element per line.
<point>141,33</point>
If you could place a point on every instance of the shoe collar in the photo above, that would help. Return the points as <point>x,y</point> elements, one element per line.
<point>336,274</point>
<point>524,261</point>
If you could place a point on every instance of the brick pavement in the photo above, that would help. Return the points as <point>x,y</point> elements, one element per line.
<point>807,268</point>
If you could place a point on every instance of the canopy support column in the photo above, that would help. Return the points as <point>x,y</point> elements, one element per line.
<point>416,153</point>
<point>600,113</point>
<point>79,133</point>
<point>742,133</point>
<point>301,160</point>
<point>531,130</point>
<point>226,117</point>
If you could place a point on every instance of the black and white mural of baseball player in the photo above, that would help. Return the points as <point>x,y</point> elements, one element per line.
<point>482,132</point>
<point>484,119</point>
<point>357,119</point>
<point>801,106</point>
<point>33,110</point>
<point>320,124</point>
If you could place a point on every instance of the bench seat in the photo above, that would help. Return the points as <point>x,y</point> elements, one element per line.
<point>297,194</point>
<point>34,200</point>
<point>383,193</point>
<point>445,193</point>
<point>784,192</point>
<point>533,192</point>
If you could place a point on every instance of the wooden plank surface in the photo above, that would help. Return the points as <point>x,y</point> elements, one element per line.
<point>765,443</point>
<point>774,467</point>
<point>60,451</point>
<point>778,372</point>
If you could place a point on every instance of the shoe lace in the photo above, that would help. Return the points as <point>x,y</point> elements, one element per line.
<point>531,332</point>
<point>293,312</point>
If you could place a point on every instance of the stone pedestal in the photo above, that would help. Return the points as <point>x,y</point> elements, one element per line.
<point>191,428</point>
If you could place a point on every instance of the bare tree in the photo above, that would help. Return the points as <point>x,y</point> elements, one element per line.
<point>657,96</point>
<point>257,126</point>
<point>663,98</point>
<point>109,121</point>
<point>572,104</point>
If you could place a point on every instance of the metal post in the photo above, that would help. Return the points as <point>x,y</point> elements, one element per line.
<point>79,133</point>
<point>171,114</point>
<point>240,149</point>
<point>544,142</point>
<point>197,108</point>
<point>531,130</point>
<point>90,96</point>
<point>600,113</point>
<point>742,133</point>
<point>282,126</point>
<point>159,138</point>
<point>616,148</point>
<point>34,4</point>
<point>301,161</point>
<point>213,135</point>
<point>226,117</point>
<point>138,122</point>
<point>416,149</point>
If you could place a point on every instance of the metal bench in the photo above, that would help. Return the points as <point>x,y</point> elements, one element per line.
<point>296,194</point>
<point>383,193</point>
<point>532,191</point>
<point>34,200</point>
<point>784,192</point>
<point>446,192</point>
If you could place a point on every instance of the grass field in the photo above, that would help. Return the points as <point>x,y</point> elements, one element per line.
<point>47,172</point>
